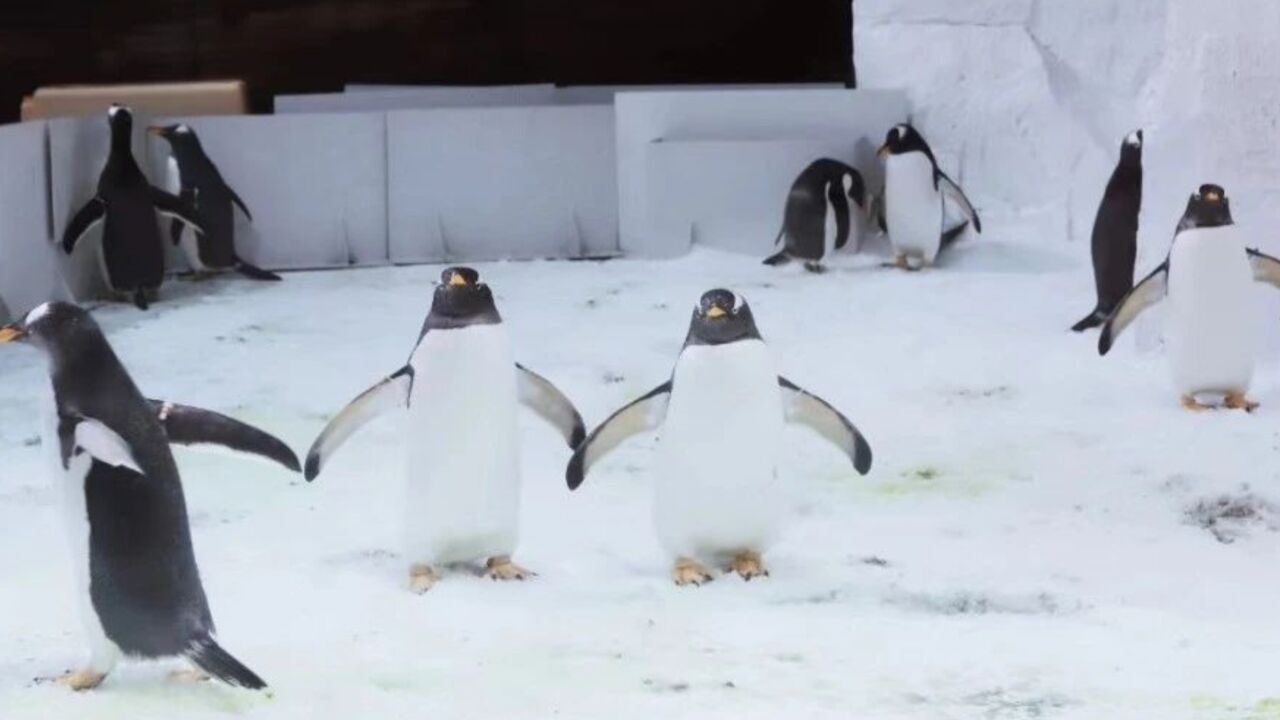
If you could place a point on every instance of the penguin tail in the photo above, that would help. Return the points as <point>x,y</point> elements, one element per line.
<point>140,299</point>
<point>255,273</point>
<point>951,236</point>
<point>781,258</point>
<point>1092,320</point>
<point>211,658</point>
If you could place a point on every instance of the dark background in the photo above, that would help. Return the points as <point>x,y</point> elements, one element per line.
<point>292,46</point>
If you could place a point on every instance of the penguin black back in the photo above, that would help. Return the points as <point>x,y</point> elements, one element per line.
<point>818,188</point>
<point>1115,233</point>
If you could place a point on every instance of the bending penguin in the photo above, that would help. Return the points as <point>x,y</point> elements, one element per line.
<point>126,204</point>
<point>718,499</point>
<point>141,595</point>
<point>460,386</point>
<point>1115,233</point>
<point>194,177</point>
<point>1212,343</point>
<point>816,221</point>
<point>913,209</point>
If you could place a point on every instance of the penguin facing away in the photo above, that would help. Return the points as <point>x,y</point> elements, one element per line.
<point>817,220</point>
<point>718,499</point>
<point>913,202</point>
<point>195,179</point>
<point>126,204</point>
<point>460,388</point>
<point>141,595</point>
<point>1211,343</point>
<point>1115,233</point>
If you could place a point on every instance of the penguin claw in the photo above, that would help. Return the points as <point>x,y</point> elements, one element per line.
<point>421,579</point>
<point>1238,401</point>
<point>690,572</point>
<point>749,565</point>
<point>501,568</point>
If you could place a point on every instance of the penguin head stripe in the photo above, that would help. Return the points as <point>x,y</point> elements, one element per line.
<point>1134,139</point>
<point>903,138</point>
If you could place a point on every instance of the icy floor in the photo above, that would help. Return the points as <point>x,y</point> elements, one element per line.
<point>1045,534</point>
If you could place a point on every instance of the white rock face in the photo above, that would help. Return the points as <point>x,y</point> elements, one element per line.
<point>1027,102</point>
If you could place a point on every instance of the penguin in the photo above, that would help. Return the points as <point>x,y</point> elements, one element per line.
<point>140,590</point>
<point>126,204</point>
<point>914,189</point>
<point>1115,233</point>
<point>718,499</point>
<point>1212,343</point>
<point>460,387</point>
<point>195,179</point>
<point>816,221</point>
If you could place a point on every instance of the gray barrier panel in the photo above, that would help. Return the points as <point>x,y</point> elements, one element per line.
<point>494,183</point>
<point>29,269</point>
<point>397,98</point>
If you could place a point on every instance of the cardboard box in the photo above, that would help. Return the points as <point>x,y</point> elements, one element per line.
<point>219,97</point>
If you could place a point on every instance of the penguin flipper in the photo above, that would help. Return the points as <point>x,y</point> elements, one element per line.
<point>950,189</point>
<point>101,442</point>
<point>539,395</point>
<point>207,655</point>
<point>641,415</point>
<point>175,207</point>
<point>239,203</point>
<point>1265,268</point>
<point>1150,291</point>
<point>255,273</point>
<point>391,393</point>
<point>807,409</point>
<point>85,218</point>
<point>186,425</point>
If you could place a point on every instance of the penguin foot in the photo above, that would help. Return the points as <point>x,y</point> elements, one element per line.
<point>690,572</point>
<point>1189,402</point>
<point>815,267</point>
<point>901,262</point>
<point>421,579</point>
<point>501,568</point>
<point>748,564</point>
<point>1238,401</point>
<point>189,676</point>
<point>80,680</point>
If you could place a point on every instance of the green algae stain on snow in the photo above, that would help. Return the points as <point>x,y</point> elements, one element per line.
<point>933,481</point>
<point>1215,708</point>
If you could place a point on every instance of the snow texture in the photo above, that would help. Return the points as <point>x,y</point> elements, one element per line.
<point>1045,533</point>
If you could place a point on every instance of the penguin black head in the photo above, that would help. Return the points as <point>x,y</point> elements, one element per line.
<point>461,300</point>
<point>179,137</point>
<point>1131,149</point>
<point>722,316</point>
<point>1208,208</point>
<point>120,118</point>
<point>903,139</point>
<point>62,330</point>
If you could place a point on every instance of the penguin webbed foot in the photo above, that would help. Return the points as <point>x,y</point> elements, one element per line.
<point>421,579</point>
<point>190,676</point>
<point>140,299</point>
<point>815,267</point>
<point>748,564</point>
<point>77,680</point>
<point>690,572</point>
<point>1239,401</point>
<point>502,568</point>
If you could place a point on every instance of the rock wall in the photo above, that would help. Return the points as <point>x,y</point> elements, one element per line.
<point>1028,101</point>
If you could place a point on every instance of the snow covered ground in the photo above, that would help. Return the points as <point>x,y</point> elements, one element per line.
<point>1045,533</point>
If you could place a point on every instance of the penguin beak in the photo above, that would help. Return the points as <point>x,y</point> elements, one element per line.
<point>457,279</point>
<point>716,312</point>
<point>157,131</point>
<point>11,333</point>
<point>883,151</point>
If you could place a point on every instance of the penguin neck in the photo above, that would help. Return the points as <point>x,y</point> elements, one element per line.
<point>121,142</point>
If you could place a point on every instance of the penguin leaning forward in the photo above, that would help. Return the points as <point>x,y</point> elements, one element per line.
<point>126,204</point>
<point>718,499</point>
<point>460,387</point>
<point>1210,328</point>
<point>195,179</point>
<point>141,595</point>
<point>817,220</point>
<point>913,206</point>
<point>1115,233</point>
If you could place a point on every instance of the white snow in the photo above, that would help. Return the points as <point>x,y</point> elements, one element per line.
<point>1023,548</point>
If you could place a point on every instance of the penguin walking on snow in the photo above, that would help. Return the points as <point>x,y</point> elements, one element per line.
<point>460,387</point>
<point>914,189</point>
<point>126,204</point>
<point>1211,339</point>
<point>816,221</point>
<point>141,595</point>
<point>1115,233</point>
<point>194,177</point>
<point>718,499</point>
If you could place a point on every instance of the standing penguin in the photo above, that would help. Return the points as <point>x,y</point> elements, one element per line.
<point>1115,233</point>
<point>141,594</point>
<point>816,221</point>
<point>1212,343</point>
<point>132,251</point>
<point>718,499</point>
<point>914,188</point>
<point>194,177</point>
<point>460,386</point>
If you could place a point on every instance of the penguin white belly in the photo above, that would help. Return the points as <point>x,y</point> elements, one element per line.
<point>913,206</point>
<point>1212,321</point>
<point>462,472</point>
<point>70,479</point>
<point>717,492</point>
<point>830,229</point>
<point>188,242</point>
